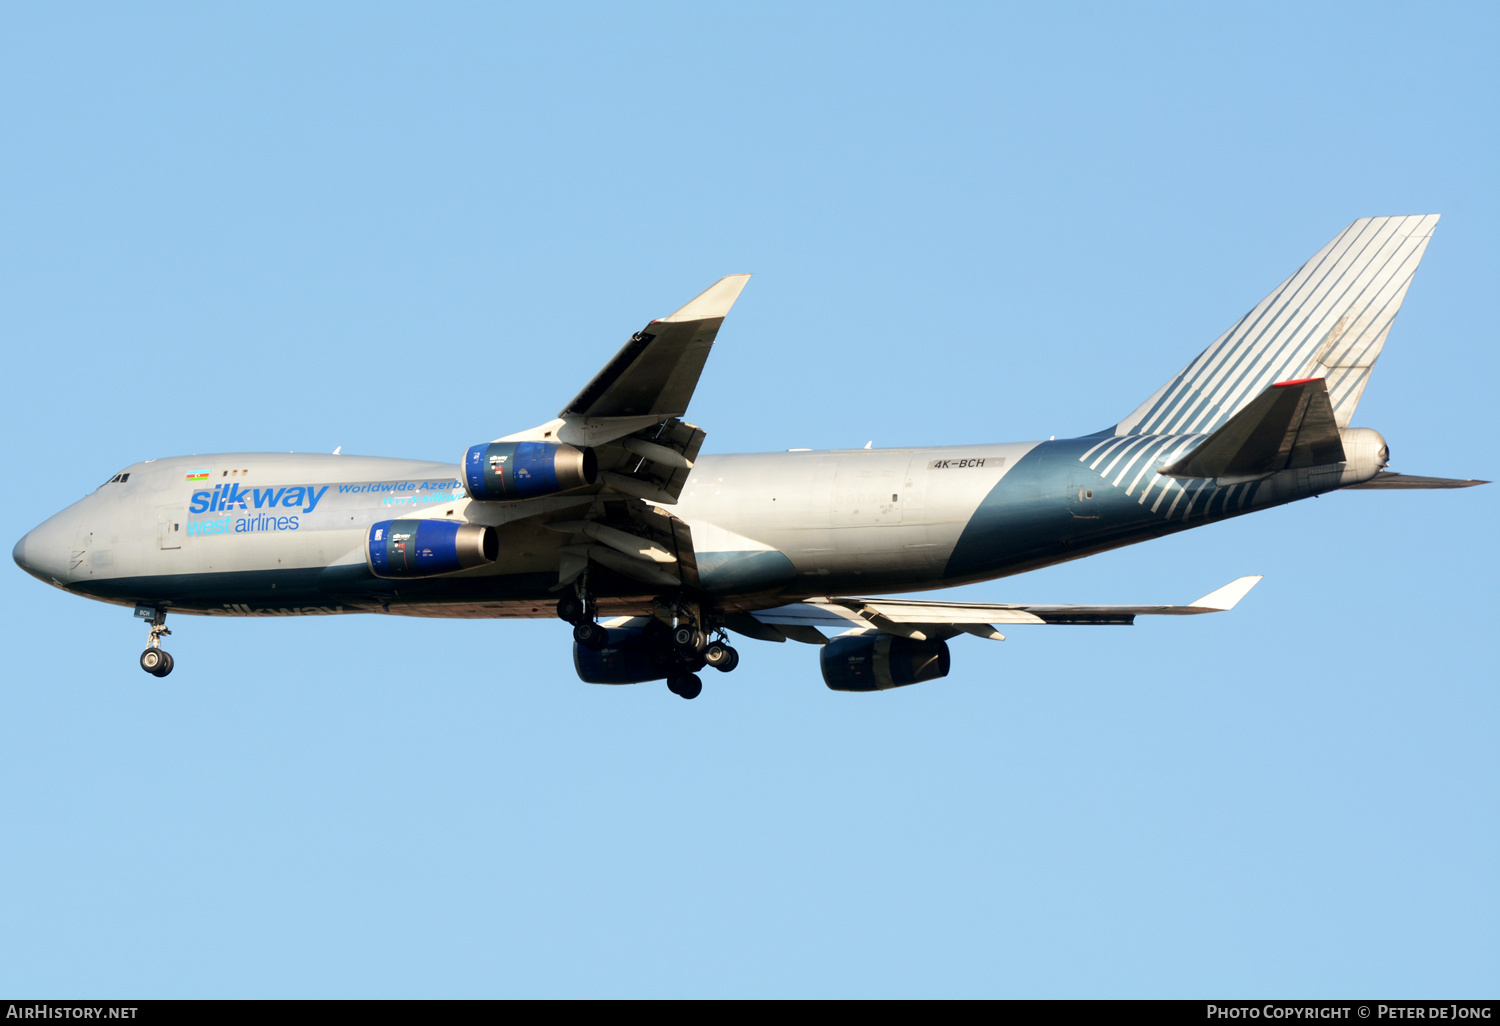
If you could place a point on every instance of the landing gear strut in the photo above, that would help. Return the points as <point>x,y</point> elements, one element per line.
<point>580,611</point>
<point>156,660</point>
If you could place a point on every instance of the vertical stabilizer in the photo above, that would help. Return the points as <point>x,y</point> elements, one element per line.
<point>1329,320</point>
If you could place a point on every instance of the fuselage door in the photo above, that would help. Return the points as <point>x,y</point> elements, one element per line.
<point>170,526</point>
<point>1081,502</point>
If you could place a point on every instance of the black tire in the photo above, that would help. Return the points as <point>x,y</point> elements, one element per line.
<point>684,636</point>
<point>689,686</point>
<point>590,635</point>
<point>152,660</point>
<point>569,609</point>
<point>167,666</point>
<point>721,657</point>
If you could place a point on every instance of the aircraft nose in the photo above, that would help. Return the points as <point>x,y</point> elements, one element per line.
<point>43,552</point>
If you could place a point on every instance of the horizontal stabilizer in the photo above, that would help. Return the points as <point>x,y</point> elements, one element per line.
<point>1289,425</point>
<point>1386,479</point>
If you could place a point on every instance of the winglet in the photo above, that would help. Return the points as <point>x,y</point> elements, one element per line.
<point>1227,596</point>
<point>713,301</point>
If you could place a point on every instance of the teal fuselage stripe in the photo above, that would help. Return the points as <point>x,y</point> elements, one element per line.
<point>1033,517</point>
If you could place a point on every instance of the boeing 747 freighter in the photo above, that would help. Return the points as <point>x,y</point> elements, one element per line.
<point>610,518</point>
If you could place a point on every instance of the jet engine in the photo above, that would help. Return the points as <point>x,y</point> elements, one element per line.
<point>878,662</point>
<point>426,548</point>
<point>630,655</point>
<point>524,470</point>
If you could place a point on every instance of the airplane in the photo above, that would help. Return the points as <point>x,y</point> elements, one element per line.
<point>608,517</point>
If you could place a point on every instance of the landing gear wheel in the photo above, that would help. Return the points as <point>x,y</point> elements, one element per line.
<point>721,657</point>
<point>685,685</point>
<point>156,662</point>
<point>590,635</point>
<point>569,608</point>
<point>689,638</point>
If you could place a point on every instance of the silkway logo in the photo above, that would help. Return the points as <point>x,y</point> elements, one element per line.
<point>233,496</point>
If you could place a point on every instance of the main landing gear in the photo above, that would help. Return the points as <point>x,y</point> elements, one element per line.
<point>156,660</point>
<point>692,650</point>
<point>676,638</point>
<point>579,610</point>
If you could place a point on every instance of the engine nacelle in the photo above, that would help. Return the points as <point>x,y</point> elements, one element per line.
<point>631,655</point>
<point>426,548</point>
<point>524,470</point>
<point>879,662</point>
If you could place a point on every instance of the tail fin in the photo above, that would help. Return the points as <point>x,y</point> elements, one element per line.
<point>1329,320</point>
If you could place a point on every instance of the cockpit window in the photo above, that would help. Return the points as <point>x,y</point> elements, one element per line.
<point>118,479</point>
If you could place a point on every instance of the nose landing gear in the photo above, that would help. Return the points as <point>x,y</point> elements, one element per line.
<point>156,660</point>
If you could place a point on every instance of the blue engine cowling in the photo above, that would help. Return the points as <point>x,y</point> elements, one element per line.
<point>631,655</point>
<point>879,662</point>
<point>426,548</point>
<point>524,470</point>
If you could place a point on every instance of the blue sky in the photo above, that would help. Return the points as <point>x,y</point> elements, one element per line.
<point>402,232</point>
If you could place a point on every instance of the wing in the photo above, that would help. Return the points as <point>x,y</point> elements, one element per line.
<point>655,373</point>
<point>801,621</point>
<point>629,413</point>
<point>629,416</point>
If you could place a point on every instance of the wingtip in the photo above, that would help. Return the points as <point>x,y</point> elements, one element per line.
<point>1228,597</point>
<point>713,301</point>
